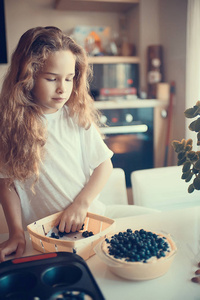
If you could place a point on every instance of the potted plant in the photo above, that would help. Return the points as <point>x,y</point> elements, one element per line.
<point>186,156</point>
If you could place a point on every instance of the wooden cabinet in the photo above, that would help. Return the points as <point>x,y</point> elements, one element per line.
<point>119,6</point>
<point>96,5</point>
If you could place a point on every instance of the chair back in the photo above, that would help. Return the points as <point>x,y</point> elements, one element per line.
<point>162,188</point>
<point>114,191</point>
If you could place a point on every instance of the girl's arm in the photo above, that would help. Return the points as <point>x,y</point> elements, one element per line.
<point>12,209</point>
<point>74,215</point>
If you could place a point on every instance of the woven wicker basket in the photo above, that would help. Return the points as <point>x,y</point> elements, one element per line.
<point>99,225</point>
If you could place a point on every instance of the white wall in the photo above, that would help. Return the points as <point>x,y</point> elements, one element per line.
<point>173,26</point>
<point>149,34</point>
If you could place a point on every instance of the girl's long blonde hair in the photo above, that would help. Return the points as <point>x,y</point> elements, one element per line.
<point>23,134</point>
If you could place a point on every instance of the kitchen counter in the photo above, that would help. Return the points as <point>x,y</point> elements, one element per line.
<point>137,103</point>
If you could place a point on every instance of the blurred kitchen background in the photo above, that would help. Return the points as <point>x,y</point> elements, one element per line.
<point>138,52</point>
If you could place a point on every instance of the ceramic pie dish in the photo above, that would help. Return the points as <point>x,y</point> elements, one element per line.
<point>137,254</point>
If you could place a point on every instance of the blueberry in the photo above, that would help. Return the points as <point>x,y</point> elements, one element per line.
<point>142,254</point>
<point>132,259</point>
<point>85,234</point>
<point>148,252</point>
<point>61,234</point>
<point>55,236</point>
<point>137,257</point>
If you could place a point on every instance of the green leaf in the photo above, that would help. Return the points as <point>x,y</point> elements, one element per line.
<point>181,155</point>
<point>197,125</point>
<point>183,142</point>
<point>189,142</point>
<point>191,112</point>
<point>192,126</point>
<point>189,177</point>
<point>194,158</point>
<point>186,166</point>
<point>197,165</point>
<point>178,146</point>
<point>181,161</point>
<point>191,154</point>
<point>191,188</point>
<point>195,171</point>
<point>185,174</point>
<point>188,148</point>
<point>196,183</point>
<point>198,153</point>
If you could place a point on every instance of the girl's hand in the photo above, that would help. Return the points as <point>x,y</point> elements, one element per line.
<point>16,243</point>
<point>72,218</point>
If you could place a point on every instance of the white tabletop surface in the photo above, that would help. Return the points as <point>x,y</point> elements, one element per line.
<point>184,226</point>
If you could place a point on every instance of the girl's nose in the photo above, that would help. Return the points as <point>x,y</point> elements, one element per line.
<point>60,88</point>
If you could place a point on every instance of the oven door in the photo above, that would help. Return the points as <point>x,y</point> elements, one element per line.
<point>132,145</point>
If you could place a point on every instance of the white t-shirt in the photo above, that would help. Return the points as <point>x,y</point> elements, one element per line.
<point>72,153</point>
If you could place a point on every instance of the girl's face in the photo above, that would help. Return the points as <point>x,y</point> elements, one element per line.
<point>53,85</point>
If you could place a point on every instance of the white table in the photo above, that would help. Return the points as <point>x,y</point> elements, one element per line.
<point>184,226</point>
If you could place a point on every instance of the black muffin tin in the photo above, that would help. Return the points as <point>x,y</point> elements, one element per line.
<point>51,276</point>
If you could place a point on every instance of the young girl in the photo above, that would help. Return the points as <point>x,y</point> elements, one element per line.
<point>52,157</point>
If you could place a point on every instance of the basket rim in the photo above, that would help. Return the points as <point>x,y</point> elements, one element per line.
<point>40,222</point>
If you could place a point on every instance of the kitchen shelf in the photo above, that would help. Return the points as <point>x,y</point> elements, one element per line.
<point>96,5</point>
<point>113,59</point>
<point>122,104</point>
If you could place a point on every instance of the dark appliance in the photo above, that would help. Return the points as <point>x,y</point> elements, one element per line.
<point>113,80</point>
<point>129,135</point>
<point>52,276</point>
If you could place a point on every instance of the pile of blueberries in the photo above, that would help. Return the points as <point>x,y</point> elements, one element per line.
<point>137,246</point>
<point>60,234</point>
<point>86,234</point>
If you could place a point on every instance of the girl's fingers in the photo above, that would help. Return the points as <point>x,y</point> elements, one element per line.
<point>74,228</point>
<point>61,226</point>
<point>196,279</point>
<point>20,250</point>
<point>57,222</point>
<point>4,252</point>
<point>68,227</point>
<point>197,272</point>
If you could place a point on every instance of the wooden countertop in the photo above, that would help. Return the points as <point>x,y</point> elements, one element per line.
<point>137,103</point>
